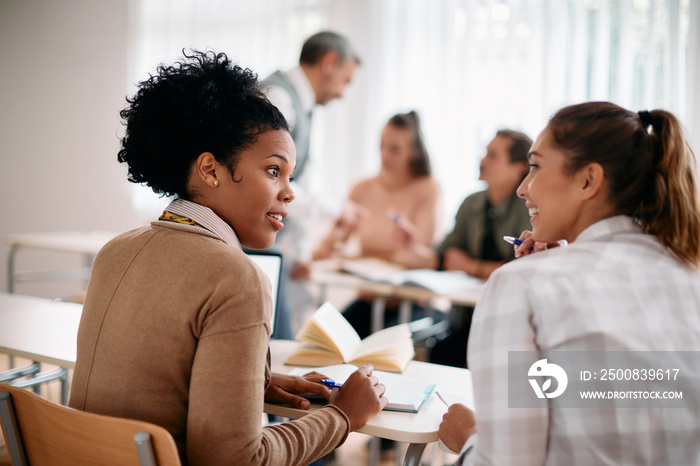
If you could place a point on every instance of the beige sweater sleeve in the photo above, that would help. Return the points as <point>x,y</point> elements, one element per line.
<point>175,331</point>
<point>226,405</point>
<point>227,387</point>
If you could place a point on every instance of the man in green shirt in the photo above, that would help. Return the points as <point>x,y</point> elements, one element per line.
<point>475,245</point>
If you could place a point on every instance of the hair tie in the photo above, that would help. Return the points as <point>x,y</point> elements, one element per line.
<point>645,116</point>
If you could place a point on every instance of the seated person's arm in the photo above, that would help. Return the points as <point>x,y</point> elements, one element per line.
<point>330,245</point>
<point>414,239</point>
<point>428,216</point>
<point>282,389</point>
<point>458,424</point>
<point>340,231</point>
<point>410,252</point>
<point>360,397</point>
<point>454,247</point>
<point>456,259</point>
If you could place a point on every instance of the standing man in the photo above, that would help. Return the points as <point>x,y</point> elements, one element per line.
<point>327,64</point>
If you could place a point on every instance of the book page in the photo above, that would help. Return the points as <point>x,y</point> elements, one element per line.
<point>373,269</point>
<point>384,341</point>
<point>338,329</point>
<point>405,393</point>
<point>311,355</point>
<point>391,350</point>
<point>439,281</point>
<point>450,398</point>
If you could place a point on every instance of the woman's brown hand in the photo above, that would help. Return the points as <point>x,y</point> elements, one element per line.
<point>458,424</point>
<point>350,216</point>
<point>282,389</point>
<point>361,397</point>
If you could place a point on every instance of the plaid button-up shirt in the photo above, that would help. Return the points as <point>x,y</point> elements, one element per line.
<point>613,289</point>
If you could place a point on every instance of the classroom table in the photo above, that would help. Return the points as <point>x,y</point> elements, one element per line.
<point>85,243</point>
<point>417,429</point>
<point>39,329</point>
<point>43,331</point>
<point>46,331</point>
<point>326,273</point>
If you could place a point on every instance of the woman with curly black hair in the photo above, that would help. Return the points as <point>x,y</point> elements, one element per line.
<point>176,321</point>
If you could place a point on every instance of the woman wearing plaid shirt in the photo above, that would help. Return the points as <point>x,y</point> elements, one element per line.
<point>619,187</point>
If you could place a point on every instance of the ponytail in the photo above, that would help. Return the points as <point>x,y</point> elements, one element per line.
<point>675,217</point>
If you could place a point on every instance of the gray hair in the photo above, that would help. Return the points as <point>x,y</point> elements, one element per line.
<point>325,41</point>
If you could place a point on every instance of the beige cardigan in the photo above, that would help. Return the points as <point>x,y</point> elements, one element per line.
<point>175,331</point>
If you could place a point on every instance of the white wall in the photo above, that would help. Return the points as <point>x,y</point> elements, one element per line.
<point>62,84</point>
<point>63,79</point>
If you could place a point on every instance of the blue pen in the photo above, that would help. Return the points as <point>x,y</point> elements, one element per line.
<point>513,240</point>
<point>331,383</point>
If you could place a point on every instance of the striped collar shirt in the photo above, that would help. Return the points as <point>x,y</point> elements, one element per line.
<point>613,289</point>
<point>205,217</point>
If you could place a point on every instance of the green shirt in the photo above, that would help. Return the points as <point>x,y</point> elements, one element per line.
<point>510,218</point>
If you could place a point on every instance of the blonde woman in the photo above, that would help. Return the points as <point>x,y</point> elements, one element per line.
<point>403,191</point>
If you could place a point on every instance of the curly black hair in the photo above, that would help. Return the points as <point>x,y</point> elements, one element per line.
<point>201,103</point>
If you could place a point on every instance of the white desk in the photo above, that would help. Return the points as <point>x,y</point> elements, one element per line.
<point>418,429</point>
<point>42,331</point>
<point>39,329</point>
<point>325,273</point>
<point>46,331</point>
<point>86,243</point>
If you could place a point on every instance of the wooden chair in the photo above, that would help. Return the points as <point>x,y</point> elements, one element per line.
<point>40,432</point>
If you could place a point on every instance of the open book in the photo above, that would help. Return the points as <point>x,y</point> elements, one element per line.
<point>330,339</point>
<point>437,281</point>
<point>404,393</point>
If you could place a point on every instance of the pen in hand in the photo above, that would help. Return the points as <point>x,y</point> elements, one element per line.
<point>331,383</point>
<point>396,218</point>
<point>515,241</point>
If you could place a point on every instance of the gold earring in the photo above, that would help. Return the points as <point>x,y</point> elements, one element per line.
<point>216,183</point>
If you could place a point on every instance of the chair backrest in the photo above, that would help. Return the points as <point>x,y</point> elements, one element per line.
<point>40,432</point>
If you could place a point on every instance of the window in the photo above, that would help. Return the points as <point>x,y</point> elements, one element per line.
<point>469,67</point>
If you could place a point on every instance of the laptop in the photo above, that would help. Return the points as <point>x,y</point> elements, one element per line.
<point>271,264</point>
